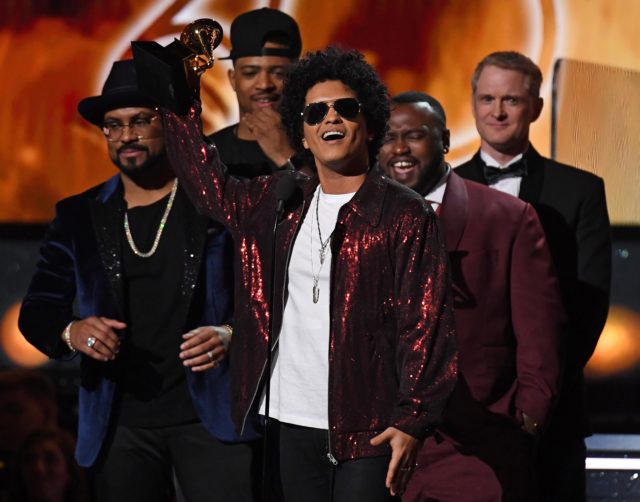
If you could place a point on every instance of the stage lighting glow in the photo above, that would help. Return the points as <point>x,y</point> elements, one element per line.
<point>14,345</point>
<point>618,349</point>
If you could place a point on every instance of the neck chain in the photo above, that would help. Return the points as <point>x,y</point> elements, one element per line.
<point>321,251</point>
<point>163,221</point>
<point>323,244</point>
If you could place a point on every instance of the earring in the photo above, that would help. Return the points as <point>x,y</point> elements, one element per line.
<point>445,149</point>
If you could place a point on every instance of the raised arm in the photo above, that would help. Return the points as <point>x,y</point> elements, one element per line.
<point>203,175</point>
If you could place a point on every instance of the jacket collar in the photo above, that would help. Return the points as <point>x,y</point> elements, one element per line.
<point>107,213</point>
<point>454,210</point>
<point>531,186</point>
<point>367,201</point>
<point>109,188</point>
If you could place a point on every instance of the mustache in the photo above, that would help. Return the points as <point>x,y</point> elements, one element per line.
<point>124,148</point>
<point>268,95</point>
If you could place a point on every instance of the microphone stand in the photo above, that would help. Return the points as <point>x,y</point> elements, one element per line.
<point>267,372</point>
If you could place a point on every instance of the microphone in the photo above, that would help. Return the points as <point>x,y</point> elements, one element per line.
<point>284,191</point>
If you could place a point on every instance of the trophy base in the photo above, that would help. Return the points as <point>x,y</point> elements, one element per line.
<point>162,74</point>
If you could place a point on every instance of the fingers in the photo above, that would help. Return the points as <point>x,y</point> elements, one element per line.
<point>403,455</point>
<point>263,120</point>
<point>381,438</point>
<point>202,349</point>
<point>112,323</point>
<point>94,336</point>
<point>401,479</point>
<point>260,126</point>
<point>391,472</point>
<point>266,125</point>
<point>403,470</point>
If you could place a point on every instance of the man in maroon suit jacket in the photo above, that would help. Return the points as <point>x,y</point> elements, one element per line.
<point>508,315</point>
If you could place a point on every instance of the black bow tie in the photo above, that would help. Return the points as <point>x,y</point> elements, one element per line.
<point>494,174</point>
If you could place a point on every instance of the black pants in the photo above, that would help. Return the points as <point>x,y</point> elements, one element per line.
<point>137,465</point>
<point>307,475</point>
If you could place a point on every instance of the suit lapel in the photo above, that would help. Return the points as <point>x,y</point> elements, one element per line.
<point>196,233</point>
<point>453,211</point>
<point>531,186</point>
<point>476,172</point>
<point>107,215</point>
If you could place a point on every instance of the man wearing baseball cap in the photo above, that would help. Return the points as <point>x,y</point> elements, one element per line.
<point>264,43</point>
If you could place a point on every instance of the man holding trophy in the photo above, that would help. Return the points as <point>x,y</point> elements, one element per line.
<point>152,280</point>
<point>343,273</point>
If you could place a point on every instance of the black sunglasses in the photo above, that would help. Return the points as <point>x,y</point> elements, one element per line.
<point>347,108</point>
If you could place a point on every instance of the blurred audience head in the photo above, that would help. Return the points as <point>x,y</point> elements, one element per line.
<point>27,403</point>
<point>46,471</point>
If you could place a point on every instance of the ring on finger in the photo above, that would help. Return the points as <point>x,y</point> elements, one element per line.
<point>210,355</point>
<point>91,341</point>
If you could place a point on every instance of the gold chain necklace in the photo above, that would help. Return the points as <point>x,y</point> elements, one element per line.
<point>163,221</point>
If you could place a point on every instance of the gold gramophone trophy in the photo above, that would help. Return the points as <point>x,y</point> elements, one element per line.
<point>171,74</point>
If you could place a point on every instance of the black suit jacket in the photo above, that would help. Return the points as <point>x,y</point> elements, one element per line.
<point>572,208</point>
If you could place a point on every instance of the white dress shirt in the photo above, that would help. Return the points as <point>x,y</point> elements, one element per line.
<point>435,196</point>
<point>510,185</point>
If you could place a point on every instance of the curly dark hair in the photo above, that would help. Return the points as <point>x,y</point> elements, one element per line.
<point>348,67</point>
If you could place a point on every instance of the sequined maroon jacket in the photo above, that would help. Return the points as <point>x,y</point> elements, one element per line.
<point>392,355</point>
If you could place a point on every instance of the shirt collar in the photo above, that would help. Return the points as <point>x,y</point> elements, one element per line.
<point>490,161</point>
<point>437,192</point>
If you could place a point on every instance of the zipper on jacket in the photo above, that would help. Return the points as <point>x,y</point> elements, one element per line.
<point>275,342</point>
<point>330,457</point>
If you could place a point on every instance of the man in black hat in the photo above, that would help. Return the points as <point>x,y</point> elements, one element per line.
<point>152,282</point>
<point>264,43</point>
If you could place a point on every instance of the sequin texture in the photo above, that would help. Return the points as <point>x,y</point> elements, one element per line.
<point>392,356</point>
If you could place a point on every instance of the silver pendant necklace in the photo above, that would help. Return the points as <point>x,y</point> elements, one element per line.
<point>321,251</point>
<point>163,221</point>
<point>323,244</point>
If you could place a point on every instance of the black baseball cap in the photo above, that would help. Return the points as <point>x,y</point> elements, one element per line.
<point>250,31</point>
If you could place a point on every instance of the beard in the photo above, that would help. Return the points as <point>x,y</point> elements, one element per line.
<point>142,171</point>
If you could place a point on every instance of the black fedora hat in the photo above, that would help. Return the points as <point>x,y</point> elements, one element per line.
<point>120,90</point>
<point>250,31</point>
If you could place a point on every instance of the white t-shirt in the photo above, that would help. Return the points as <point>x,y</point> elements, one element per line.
<point>300,374</point>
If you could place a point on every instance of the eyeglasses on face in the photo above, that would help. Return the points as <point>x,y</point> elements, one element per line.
<point>347,108</point>
<point>140,126</point>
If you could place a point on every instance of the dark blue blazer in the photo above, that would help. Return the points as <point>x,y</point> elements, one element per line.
<point>81,260</point>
